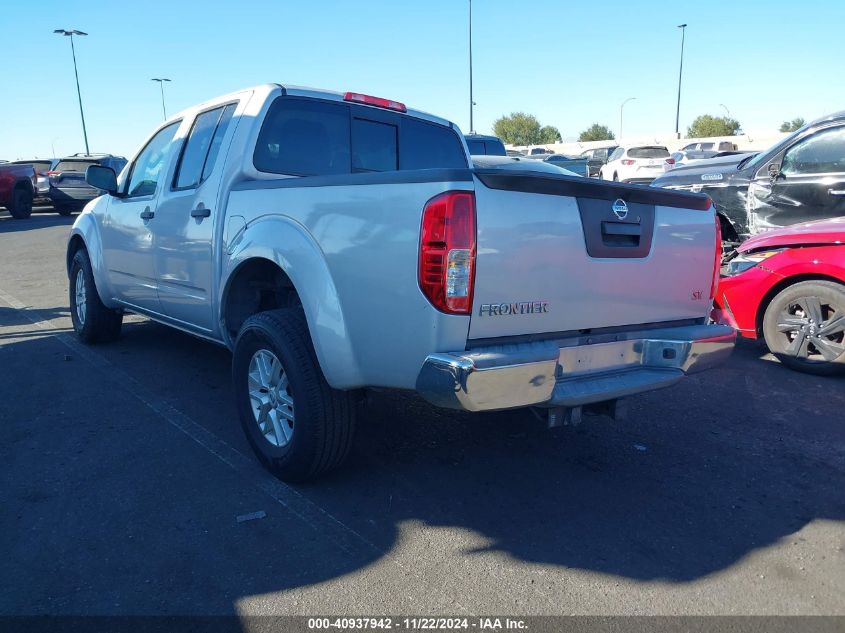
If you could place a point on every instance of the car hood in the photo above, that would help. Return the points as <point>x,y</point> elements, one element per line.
<point>713,170</point>
<point>808,233</point>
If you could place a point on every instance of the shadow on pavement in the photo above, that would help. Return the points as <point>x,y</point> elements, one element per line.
<point>40,218</point>
<point>697,478</point>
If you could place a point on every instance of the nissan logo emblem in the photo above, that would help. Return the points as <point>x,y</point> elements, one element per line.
<point>620,209</point>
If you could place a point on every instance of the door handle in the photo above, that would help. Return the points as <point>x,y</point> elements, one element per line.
<point>838,193</point>
<point>200,212</point>
<point>147,214</point>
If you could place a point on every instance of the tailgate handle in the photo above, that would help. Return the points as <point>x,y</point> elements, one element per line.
<point>621,228</point>
<point>621,233</point>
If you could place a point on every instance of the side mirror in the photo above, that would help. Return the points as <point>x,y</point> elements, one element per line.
<point>774,171</point>
<point>102,178</point>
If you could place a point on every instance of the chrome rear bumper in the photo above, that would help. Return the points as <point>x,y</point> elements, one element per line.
<point>572,373</point>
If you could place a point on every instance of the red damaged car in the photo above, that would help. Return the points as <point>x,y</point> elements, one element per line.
<point>788,287</point>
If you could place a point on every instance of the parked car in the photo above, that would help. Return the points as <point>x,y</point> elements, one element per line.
<point>480,145</point>
<point>514,152</point>
<point>637,164</point>
<point>707,149</point>
<point>17,189</point>
<point>42,167</point>
<point>537,152</point>
<point>337,242</point>
<point>787,286</point>
<point>575,164</point>
<point>520,163</point>
<point>68,190</point>
<point>799,179</point>
<point>597,158</point>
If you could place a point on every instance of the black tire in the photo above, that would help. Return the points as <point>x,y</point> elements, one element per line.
<point>792,330</point>
<point>323,418</point>
<point>20,205</point>
<point>63,209</point>
<point>615,177</point>
<point>97,323</point>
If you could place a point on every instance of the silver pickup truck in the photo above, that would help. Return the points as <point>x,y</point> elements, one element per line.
<point>336,242</point>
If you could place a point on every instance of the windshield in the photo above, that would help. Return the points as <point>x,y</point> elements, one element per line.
<point>758,159</point>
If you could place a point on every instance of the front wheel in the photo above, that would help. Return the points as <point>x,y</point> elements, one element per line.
<point>93,322</point>
<point>804,327</point>
<point>298,426</point>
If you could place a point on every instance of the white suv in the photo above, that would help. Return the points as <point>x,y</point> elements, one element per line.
<point>638,164</point>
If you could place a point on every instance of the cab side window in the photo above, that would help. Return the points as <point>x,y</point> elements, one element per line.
<point>617,154</point>
<point>147,168</point>
<point>821,153</point>
<point>202,147</point>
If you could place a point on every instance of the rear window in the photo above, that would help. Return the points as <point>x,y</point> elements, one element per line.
<point>486,148</point>
<point>426,145</point>
<point>75,165</point>
<point>476,148</point>
<point>40,166</point>
<point>648,152</point>
<point>309,137</point>
<point>706,146</point>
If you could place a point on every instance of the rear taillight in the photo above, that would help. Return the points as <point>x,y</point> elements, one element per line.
<point>447,251</point>
<point>717,265</point>
<point>52,173</point>
<point>628,161</point>
<point>670,161</point>
<point>375,101</point>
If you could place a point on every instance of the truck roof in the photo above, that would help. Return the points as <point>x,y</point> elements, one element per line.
<point>302,91</point>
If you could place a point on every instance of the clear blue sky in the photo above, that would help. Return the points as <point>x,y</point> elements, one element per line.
<point>569,63</point>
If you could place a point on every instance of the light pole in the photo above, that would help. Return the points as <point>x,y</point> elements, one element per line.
<point>471,102</point>
<point>161,85</point>
<point>621,108</point>
<point>728,112</point>
<point>53,146</point>
<point>70,33</point>
<point>683,28</point>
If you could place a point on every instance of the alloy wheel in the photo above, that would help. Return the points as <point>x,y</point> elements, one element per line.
<point>79,297</point>
<point>270,397</point>
<point>814,329</point>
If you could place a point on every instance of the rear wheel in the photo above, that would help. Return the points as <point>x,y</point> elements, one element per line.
<point>298,426</point>
<point>63,209</point>
<point>93,322</point>
<point>21,203</point>
<point>616,177</point>
<point>804,327</point>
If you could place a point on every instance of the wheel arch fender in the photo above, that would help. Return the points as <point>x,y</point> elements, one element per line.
<point>290,247</point>
<point>84,234</point>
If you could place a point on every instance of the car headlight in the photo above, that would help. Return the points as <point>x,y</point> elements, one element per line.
<point>740,262</point>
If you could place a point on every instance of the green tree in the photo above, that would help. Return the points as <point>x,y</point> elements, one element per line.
<point>596,132</point>
<point>518,129</point>
<point>791,126</point>
<point>707,125</point>
<point>549,134</point>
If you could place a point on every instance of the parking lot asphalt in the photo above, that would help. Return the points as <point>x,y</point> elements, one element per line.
<point>124,472</point>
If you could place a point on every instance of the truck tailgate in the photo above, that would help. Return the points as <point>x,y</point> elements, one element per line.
<point>554,257</point>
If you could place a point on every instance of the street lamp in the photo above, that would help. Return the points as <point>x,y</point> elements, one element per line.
<point>728,112</point>
<point>621,108</point>
<point>161,85</point>
<point>471,102</point>
<point>70,33</point>
<point>683,28</point>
